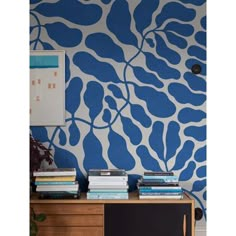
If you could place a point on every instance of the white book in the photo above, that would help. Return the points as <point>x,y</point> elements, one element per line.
<point>41,188</point>
<point>160,197</point>
<point>108,178</point>
<point>108,183</point>
<point>55,172</point>
<point>108,186</point>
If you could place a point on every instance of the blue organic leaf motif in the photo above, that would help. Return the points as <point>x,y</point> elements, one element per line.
<point>106,1</point>
<point>106,116</point>
<point>120,26</point>
<point>115,90</point>
<point>176,40</point>
<point>67,68</point>
<point>148,162</point>
<point>74,134</point>
<point>158,103</point>
<point>194,2</point>
<point>177,11</point>
<point>195,82</point>
<point>191,62</point>
<point>182,29</point>
<point>118,152</point>
<point>187,173</point>
<point>161,67</point>
<point>146,77</point>
<point>156,139</point>
<point>62,137</point>
<point>131,130</point>
<point>100,70</point>
<point>63,35</point>
<point>200,154</point>
<point>198,133</point>
<point>184,155</point>
<point>132,182</point>
<point>199,185</point>
<point>34,1</point>
<point>187,115</point>
<point>139,114</point>
<point>142,17</point>
<point>93,153</point>
<point>150,42</point>
<point>73,95</point>
<point>205,195</point>
<point>183,95</point>
<point>198,52</point>
<point>60,9</point>
<point>40,133</point>
<point>47,46</point>
<point>97,41</point>
<point>201,37</point>
<point>172,56</point>
<point>172,139</point>
<point>203,22</point>
<point>111,102</point>
<point>201,172</point>
<point>93,98</point>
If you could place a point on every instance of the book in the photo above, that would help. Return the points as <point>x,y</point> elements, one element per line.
<point>108,186</point>
<point>160,190</point>
<point>108,183</point>
<point>161,197</point>
<point>160,193</point>
<point>108,190</point>
<point>158,173</point>
<point>57,188</point>
<point>56,182</point>
<point>160,178</point>
<point>108,178</point>
<point>107,172</point>
<point>55,172</point>
<point>59,195</point>
<point>107,195</point>
<point>167,187</point>
<point>54,178</point>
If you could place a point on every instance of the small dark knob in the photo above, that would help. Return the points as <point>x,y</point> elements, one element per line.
<point>196,69</point>
<point>198,213</point>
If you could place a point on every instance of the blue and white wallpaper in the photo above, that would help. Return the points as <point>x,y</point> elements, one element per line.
<point>132,100</point>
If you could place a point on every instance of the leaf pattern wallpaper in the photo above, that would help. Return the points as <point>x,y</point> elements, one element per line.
<point>132,101</point>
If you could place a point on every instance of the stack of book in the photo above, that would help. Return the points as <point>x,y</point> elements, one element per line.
<point>156,185</point>
<point>107,184</point>
<point>57,183</point>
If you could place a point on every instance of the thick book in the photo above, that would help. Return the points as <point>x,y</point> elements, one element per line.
<point>166,188</point>
<point>55,178</point>
<point>159,173</point>
<point>161,197</point>
<point>160,190</point>
<point>108,183</point>
<point>107,172</point>
<point>160,193</point>
<point>59,195</point>
<point>108,178</point>
<point>55,172</point>
<point>108,186</point>
<point>107,195</point>
<point>49,188</point>
<point>56,182</point>
<point>167,178</point>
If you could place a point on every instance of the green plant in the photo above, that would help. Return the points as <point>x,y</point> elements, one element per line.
<point>34,218</point>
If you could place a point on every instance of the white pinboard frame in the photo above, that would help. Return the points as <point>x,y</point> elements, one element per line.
<point>47,87</point>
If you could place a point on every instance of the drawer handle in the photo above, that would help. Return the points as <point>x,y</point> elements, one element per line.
<point>184,225</point>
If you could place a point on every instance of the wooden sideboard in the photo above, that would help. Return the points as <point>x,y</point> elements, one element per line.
<point>132,217</point>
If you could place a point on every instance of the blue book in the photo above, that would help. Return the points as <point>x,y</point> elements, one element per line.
<point>56,182</point>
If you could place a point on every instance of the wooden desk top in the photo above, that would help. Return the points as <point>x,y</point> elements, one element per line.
<point>133,199</point>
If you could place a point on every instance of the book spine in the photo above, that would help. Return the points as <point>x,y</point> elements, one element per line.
<point>55,182</point>
<point>159,177</point>
<point>108,178</point>
<point>159,173</point>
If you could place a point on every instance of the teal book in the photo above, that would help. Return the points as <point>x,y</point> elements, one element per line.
<point>55,182</point>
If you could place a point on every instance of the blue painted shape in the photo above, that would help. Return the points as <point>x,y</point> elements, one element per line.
<point>150,42</point>
<point>139,114</point>
<point>184,155</point>
<point>187,115</point>
<point>182,29</point>
<point>176,40</point>
<point>201,37</point>
<point>131,130</point>
<point>148,162</point>
<point>161,48</point>
<point>111,102</point>
<point>63,35</point>
<point>198,133</point>
<point>158,103</point>
<point>115,90</point>
<point>201,172</point>
<point>205,195</point>
<point>183,95</point>
<point>70,12</point>
<point>62,137</point>
<point>132,182</point>
<point>199,185</point>
<point>93,158</point>
<point>187,173</point>
<point>200,154</point>
<point>106,115</point>
<point>67,68</point>
<point>74,134</point>
<point>172,139</point>
<point>93,98</point>
<point>177,11</point>
<point>195,82</point>
<point>147,77</point>
<point>194,2</point>
<point>97,41</point>
<point>34,1</point>
<point>44,61</point>
<point>119,21</point>
<point>47,46</point>
<point>203,22</point>
<point>40,133</point>
<point>100,70</point>
<point>73,94</point>
<point>143,17</point>
<point>161,67</point>
<point>106,1</point>
<point>118,153</point>
<point>198,52</point>
<point>156,139</point>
